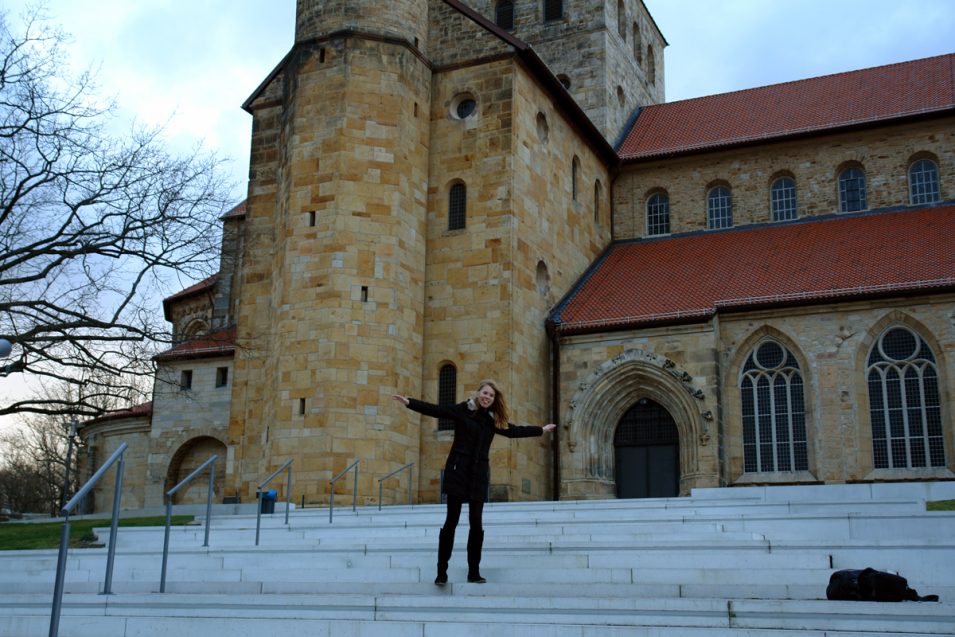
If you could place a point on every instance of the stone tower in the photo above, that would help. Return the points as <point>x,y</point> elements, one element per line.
<point>608,53</point>
<point>331,300</point>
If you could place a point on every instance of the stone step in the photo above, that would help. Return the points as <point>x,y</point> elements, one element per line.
<point>181,615</point>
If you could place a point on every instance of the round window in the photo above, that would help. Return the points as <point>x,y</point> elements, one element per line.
<point>463,106</point>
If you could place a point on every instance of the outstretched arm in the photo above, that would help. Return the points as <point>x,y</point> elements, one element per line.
<point>435,411</point>
<point>515,431</point>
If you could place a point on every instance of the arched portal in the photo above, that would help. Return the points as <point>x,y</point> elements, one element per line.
<point>647,452</point>
<point>186,460</point>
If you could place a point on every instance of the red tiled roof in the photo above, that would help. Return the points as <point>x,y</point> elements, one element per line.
<point>137,411</point>
<point>221,343</point>
<point>201,286</point>
<point>815,105</point>
<point>237,212</point>
<point>689,278</point>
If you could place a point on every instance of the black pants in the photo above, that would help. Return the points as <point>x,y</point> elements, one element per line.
<point>475,511</point>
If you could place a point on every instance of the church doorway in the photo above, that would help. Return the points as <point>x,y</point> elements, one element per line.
<point>647,452</point>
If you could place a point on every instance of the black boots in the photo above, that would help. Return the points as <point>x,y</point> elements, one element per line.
<point>475,542</point>
<point>445,545</point>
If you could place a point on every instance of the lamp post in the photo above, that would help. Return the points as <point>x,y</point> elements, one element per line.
<point>5,347</point>
<point>69,461</point>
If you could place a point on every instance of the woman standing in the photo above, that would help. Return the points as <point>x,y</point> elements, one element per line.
<point>467,471</point>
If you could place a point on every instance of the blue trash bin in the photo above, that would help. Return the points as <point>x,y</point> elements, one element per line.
<point>268,501</point>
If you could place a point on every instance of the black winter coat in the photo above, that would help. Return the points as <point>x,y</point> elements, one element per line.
<point>467,471</point>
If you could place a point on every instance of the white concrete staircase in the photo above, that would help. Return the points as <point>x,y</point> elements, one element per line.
<point>724,562</point>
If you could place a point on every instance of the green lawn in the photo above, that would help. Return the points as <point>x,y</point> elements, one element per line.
<point>46,535</point>
<point>942,505</point>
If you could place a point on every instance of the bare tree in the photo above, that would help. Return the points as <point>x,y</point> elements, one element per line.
<point>90,227</point>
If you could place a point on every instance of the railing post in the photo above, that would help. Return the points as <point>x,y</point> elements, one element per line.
<point>58,584</point>
<point>60,576</point>
<point>165,544</point>
<point>288,495</point>
<point>111,552</point>
<point>354,497</point>
<point>331,501</point>
<point>212,484</point>
<point>258,513</point>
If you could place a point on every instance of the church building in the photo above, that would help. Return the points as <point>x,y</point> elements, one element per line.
<point>754,288</point>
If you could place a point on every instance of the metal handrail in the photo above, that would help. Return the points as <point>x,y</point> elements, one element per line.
<point>258,496</point>
<point>172,492</point>
<point>65,534</point>
<point>398,470</point>
<point>331,483</point>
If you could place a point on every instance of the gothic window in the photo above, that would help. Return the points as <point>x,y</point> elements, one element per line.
<point>773,409</point>
<point>553,10</point>
<point>783,196</point>
<point>904,402</point>
<point>621,20</point>
<point>658,214</point>
<point>457,206</point>
<point>447,393</point>
<point>504,14</point>
<point>923,182</point>
<point>852,190</point>
<point>719,208</point>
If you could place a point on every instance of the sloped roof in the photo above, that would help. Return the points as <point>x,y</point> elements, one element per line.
<point>144,410</point>
<point>812,106</point>
<point>198,288</point>
<point>216,344</point>
<point>689,278</point>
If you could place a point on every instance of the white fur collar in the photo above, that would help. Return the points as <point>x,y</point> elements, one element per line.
<point>473,406</point>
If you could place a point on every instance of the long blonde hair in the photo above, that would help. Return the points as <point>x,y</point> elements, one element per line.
<point>499,406</point>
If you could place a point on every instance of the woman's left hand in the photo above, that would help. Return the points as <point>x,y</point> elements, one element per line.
<point>549,427</point>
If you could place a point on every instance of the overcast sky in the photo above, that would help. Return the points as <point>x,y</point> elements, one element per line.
<point>189,64</point>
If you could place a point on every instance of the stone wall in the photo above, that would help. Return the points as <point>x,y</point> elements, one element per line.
<point>694,371</point>
<point>885,153</point>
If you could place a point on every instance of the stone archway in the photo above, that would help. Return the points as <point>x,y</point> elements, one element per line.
<point>187,459</point>
<point>587,453</point>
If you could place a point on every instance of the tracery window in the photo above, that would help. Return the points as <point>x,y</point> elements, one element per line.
<point>774,413</point>
<point>904,403</point>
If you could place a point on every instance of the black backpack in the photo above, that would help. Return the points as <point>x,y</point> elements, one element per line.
<point>870,585</point>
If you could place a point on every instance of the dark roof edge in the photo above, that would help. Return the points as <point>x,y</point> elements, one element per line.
<point>554,315</point>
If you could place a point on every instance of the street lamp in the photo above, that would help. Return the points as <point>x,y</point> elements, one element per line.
<point>69,461</point>
<point>5,347</point>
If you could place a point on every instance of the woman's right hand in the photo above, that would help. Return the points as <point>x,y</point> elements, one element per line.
<point>401,399</point>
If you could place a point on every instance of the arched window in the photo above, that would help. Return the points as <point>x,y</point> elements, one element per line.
<point>447,392</point>
<point>504,14</point>
<point>852,190</point>
<point>773,409</point>
<point>658,214</point>
<point>621,20</point>
<point>719,208</point>
<point>783,199</point>
<point>923,182</point>
<point>597,195</point>
<point>553,10</point>
<point>457,206</point>
<point>651,67</point>
<point>637,45</point>
<point>904,402</point>
<point>574,177</point>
